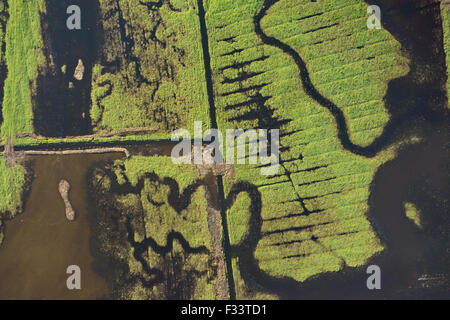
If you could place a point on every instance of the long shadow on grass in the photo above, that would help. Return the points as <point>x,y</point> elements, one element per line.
<point>407,103</point>
<point>62,103</point>
<point>122,227</point>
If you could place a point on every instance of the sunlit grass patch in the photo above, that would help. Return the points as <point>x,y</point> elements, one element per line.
<point>23,57</point>
<point>314,210</point>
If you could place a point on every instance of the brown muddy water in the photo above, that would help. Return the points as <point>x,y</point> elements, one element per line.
<point>41,243</point>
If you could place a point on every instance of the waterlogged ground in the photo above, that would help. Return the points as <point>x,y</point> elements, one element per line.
<point>363,116</point>
<point>41,243</point>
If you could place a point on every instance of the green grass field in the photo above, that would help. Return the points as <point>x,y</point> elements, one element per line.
<point>150,72</point>
<point>141,78</point>
<point>3,21</point>
<point>153,217</point>
<point>12,182</point>
<point>445,14</point>
<point>23,57</point>
<point>157,78</point>
<point>347,63</point>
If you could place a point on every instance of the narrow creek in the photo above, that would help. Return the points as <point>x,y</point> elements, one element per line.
<point>62,103</point>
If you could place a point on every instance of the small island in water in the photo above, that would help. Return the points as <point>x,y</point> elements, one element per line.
<point>64,187</point>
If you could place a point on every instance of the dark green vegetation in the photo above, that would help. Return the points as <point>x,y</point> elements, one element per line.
<point>151,222</point>
<point>23,57</point>
<point>445,14</point>
<point>11,185</point>
<point>149,75</point>
<point>12,182</point>
<point>3,69</point>
<point>151,67</point>
<point>413,213</point>
<point>139,73</point>
<point>313,210</point>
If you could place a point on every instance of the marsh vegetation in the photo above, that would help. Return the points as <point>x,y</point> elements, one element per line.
<point>355,108</point>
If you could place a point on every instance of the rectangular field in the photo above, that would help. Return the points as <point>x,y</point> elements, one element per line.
<point>314,209</point>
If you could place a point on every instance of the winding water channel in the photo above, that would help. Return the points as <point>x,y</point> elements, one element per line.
<point>41,243</point>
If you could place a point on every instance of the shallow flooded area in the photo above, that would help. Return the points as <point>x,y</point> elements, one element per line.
<point>41,243</point>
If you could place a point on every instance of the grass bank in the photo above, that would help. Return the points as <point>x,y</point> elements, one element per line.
<point>3,70</point>
<point>314,210</point>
